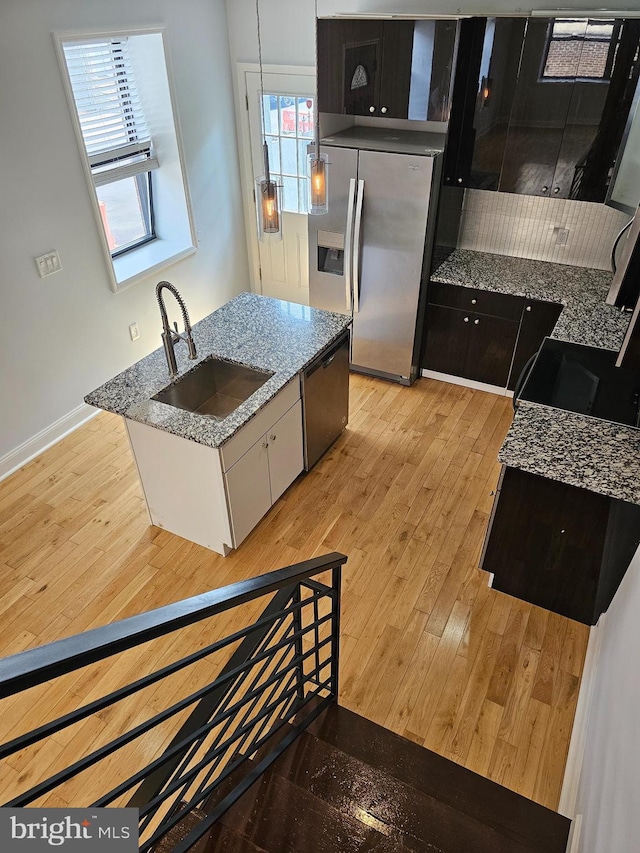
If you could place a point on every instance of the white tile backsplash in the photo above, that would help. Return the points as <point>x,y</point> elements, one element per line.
<point>523,227</point>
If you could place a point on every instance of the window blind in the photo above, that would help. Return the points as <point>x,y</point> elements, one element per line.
<point>114,130</point>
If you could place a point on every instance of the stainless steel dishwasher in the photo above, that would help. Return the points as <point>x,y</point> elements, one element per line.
<point>325,399</point>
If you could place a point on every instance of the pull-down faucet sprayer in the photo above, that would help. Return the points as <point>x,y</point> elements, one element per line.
<point>170,336</point>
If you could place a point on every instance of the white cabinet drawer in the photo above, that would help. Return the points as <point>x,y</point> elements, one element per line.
<point>238,445</point>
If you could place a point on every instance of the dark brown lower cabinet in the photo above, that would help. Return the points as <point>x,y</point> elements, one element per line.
<point>558,546</point>
<point>490,348</point>
<point>476,346</point>
<point>446,343</point>
<point>482,335</point>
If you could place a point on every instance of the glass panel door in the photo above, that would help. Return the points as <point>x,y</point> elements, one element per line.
<point>289,128</point>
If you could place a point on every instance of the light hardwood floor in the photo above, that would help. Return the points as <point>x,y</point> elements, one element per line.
<point>428,649</point>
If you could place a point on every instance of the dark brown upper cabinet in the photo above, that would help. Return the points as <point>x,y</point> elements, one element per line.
<point>540,104</point>
<point>386,69</point>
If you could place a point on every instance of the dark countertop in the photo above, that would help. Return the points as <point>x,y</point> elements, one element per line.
<point>256,331</point>
<point>572,448</point>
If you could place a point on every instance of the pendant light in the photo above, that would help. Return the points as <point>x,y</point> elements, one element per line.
<point>267,190</point>
<point>317,163</point>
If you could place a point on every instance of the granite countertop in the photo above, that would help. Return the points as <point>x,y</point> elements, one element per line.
<point>586,319</point>
<point>256,331</point>
<point>582,451</point>
<point>577,449</point>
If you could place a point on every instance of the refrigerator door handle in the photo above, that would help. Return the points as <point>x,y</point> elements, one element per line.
<point>357,233</point>
<point>348,243</point>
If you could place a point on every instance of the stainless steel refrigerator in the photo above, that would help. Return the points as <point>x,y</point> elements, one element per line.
<point>370,254</point>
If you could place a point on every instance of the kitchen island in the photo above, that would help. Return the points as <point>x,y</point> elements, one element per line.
<point>210,479</point>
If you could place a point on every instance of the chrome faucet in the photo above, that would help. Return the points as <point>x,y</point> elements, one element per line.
<point>170,336</point>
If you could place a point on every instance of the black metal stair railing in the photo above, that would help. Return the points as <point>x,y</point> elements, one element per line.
<point>282,673</point>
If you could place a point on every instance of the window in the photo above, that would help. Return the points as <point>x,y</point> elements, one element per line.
<point>289,128</point>
<point>116,139</point>
<point>119,95</point>
<point>580,49</point>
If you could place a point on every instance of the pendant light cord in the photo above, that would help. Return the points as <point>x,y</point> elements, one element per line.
<point>264,138</point>
<point>315,56</point>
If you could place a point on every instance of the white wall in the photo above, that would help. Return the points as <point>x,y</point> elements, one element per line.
<point>62,336</point>
<point>287,31</point>
<point>609,788</point>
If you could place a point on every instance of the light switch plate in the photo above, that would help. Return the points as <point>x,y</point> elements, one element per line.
<point>48,264</point>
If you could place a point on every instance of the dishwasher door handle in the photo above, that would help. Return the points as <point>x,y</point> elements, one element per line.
<point>342,342</point>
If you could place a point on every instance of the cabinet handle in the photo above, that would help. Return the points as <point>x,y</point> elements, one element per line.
<point>272,438</point>
<point>372,109</point>
<point>545,189</point>
<point>459,180</point>
<point>265,444</point>
<point>556,190</point>
<point>466,319</point>
<point>476,322</point>
<point>383,110</point>
<point>528,308</point>
<point>474,301</point>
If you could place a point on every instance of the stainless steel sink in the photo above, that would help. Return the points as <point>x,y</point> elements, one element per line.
<point>214,388</point>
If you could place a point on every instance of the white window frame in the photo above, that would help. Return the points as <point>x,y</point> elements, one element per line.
<point>175,232</point>
<point>122,147</point>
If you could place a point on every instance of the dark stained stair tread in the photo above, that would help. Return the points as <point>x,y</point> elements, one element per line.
<point>347,784</point>
<point>220,839</point>
<point>534,826</point>
<point>179,833</point>
<point>417,820</point>
<point>284,818</point>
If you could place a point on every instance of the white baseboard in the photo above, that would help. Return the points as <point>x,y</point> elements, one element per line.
<point>46,438</point>
<point>467,383</point>
<point>574,834</point>
<point>575,757</point>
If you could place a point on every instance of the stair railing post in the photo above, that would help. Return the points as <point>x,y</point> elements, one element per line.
<point>336,579</point>
<point>298,650</point>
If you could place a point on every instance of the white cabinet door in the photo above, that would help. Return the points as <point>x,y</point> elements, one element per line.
<point>248,490</point>
<point>285,450</point>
